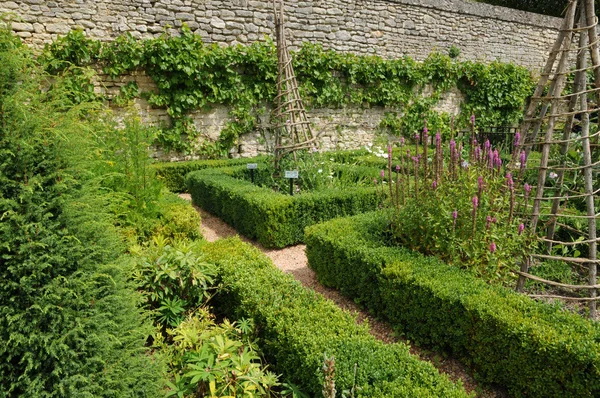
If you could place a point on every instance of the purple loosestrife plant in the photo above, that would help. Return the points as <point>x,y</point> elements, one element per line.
<point>460,196</point>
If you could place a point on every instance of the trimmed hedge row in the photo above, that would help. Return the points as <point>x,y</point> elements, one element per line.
<point>298,328</point>
<point>273,219</point>
<point>173,173</point>
<point>534,349</point>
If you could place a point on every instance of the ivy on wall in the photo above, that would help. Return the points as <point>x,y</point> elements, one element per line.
<point>193,75</point>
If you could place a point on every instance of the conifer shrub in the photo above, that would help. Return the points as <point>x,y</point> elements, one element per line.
<point>69,322</point>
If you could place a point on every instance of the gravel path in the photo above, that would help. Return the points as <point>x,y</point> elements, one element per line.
<point>293,260</point>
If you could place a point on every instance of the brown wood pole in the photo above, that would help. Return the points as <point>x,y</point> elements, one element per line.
<point>578,86</point>
<point>587,158</point>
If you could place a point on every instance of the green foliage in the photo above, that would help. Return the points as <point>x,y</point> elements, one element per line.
<point>175,279</point>
<point>178,219</point>
<point>216,360</point>
<point>533,349</point>
<point>69,323</point>
<point>297,328</point>
<point>273,219</point>
<point>453,52</point>
<point>191,75</point>
<point>494,93</point>
<point>172,174</point>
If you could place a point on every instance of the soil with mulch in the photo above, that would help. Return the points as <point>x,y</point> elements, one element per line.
<point>293,260</point>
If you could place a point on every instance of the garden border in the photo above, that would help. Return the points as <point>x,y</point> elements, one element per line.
<point>298,328</point>
<point>273,219</point>
<point>533,349</point>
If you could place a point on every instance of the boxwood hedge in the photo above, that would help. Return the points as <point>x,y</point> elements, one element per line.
<point>298,328</point>
<point>173,173</point>
<point>273,219</point>
<point>534,349</point>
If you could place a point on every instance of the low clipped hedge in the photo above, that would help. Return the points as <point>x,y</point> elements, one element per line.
<point>273,219</point>
<point>534,349</point>
<point>298,328</point>
<point>173,173</point>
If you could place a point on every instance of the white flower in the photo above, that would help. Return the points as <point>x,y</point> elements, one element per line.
<point>553,175</point>
<point>320,171</point>
<point>385,155</point>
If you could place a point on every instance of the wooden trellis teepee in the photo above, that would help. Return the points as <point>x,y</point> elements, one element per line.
<point>290,124</point>
<point>557,121</point>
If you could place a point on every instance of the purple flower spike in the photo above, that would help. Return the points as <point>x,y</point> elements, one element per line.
<point>523,158</point>
<point>491,159</point>
<point>434,184</point>
<point>452,145</point>
<point>488,221</point>
<point>509,181</point>
<point>487,145</point>
<point>480,183</point>
<point>492,247</point>
<point>494,220</point>
<point>438,138</point>
<point>521,228</point>
<point>389,151</point>
<point>417,137</point>
<point>425,130</point>
<point>472,118</point>
<point>382,173</point>
<point>477,152</point>
<point>497,160</point>
<point>401,141</point>
<point>527,188</point>
<point>475,202</point>
<point>517,138</point>
<point>375,181</point>
<point>397,168</point>
<point>454,215</point>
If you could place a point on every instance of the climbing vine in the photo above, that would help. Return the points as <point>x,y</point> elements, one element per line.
<point>193,75</point>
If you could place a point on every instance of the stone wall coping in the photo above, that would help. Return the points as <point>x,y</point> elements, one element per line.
<point>488,11</point>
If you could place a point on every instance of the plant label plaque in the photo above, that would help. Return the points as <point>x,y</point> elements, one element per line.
<point>291,174</point>
<point>252,166</point>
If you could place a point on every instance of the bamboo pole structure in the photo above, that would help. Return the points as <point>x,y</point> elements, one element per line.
<point>290,124</point>
<point>568,170</point>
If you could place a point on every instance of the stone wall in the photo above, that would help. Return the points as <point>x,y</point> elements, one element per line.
<point>388,28</point>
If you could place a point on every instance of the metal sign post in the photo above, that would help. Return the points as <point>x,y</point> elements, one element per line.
<point>252,167</point>
<point>291,175</point>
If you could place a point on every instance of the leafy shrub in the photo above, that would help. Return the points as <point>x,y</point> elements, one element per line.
<point>297,328</point>
<point>175,280</point>
<point>533,349</point>
<point>220,360</point>
<point>273,219</point>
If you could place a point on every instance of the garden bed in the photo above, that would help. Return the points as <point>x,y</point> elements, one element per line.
<point>274,219</point>
<point>173,173</point>
<point>533,349</point>
<point>300,329</point>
